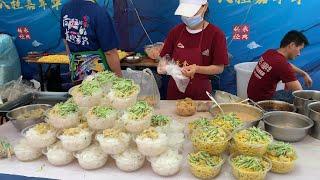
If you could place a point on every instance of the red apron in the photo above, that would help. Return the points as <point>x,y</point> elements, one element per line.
<point>197,86</point>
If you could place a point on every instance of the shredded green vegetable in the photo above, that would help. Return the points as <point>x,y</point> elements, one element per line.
<point>204,158</point>
<point>231,118</point>
<point>159,120</point>
<point>281,149</point>
<point>87,88</point>
<point>124,87</point>
<point>68,107</point>
<point>257,135</point>
<point>103,112</point>
<point>249,163</point>
<point>208,134</point>
<point>106,77</point>
<point>201,122</point>
<point>139,110</point>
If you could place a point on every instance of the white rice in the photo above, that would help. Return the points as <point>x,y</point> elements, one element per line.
<point>114,145</point>
<point>58,156</point>
<point>122,103</point>
<point>37,140</point>
<point>62,122</point>
<point>130,160</point>
<point>167,164</point>
<point>92,157</point>
<point>24,152</point>
<point>97,123</point>
<point>152,147</point>
<point>76,142</point>
<point>136,126</point>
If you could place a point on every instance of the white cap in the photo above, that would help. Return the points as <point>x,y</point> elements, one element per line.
<point>189,8</point>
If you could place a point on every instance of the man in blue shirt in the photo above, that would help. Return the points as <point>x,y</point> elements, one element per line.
<point>89,36</point>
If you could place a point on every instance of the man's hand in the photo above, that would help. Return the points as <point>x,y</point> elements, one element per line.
<point>189,71</point>
<point>307,80</point>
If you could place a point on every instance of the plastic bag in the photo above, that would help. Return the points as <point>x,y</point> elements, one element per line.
<point>149,90</point>
<point>169,67</point>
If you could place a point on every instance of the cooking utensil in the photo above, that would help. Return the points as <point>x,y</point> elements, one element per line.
<point>273,105</point>
<point>287,126</point>
<point>314,114</point>
<point>304,97</point>
<point>21,124</point>
<point>212,98</point>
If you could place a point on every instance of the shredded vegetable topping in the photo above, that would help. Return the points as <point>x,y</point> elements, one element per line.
<point>159,120</point>
<point>228,122</point>
<point>281,151</point>
<point>208,134</point>
<point>201,122</point>
<point>124,88</point>
<point>87,88</point>
<point>203,158</point>
<point>65,108</point>
<point>105,77</point>
<point>149,133</point>
<point>103,112</point>
<point>250,163</point>
<point>112,133</point>
<point>253,135</point>
<point>43,128</point>
<point>139,110</point>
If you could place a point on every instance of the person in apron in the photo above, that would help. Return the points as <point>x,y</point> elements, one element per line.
<point>90,39</point>
<point>199,46</point>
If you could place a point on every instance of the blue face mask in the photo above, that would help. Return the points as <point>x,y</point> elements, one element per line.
<point>192,21</point>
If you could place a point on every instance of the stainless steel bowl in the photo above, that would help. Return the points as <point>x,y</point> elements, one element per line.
<point>287,126</point>
<point>314,114</point>
<point>251,115</point>
<point>273,105</point>
<point>304,97</point>
<point>21,124</point>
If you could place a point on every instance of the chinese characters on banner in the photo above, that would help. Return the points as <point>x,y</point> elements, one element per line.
<point>29,5</point>
<point>258,1</point>
<point>23,33</point>
<point>241,32</point>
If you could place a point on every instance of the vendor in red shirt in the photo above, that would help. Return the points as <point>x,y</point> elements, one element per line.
<point>274,67</point>
<point>197,44</point>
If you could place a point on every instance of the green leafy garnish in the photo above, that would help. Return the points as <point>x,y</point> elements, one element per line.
<point>202,158</point>
<point>139,110</point>
<point>124,87</point>
<point>249,163</point>
<point>208,134</point>
<point>105,77</point>
<point>87,88</point>
<point>103,112</point>
<point>65,108</point>
<point>201,122</point>
<point>281,149</point>
<point>159,120</point>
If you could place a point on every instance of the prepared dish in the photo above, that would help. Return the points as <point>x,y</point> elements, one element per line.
<point>33,114</point>
<point>123,94</point>
<point>201,122</point>
<point>246,167</point>
<point>186,107</point>
<point>24,152</point>
<point>228,122</point>
<point>167,163</point>
<point>113,141</point>
<point>161,122</point>
<point>92,157</point>
<point>88,94</point>
<point>40,135</point>
<point>64,115</point>
<point>252,141</point>
<point>138,117</point>
<point>101,117</point>
<point>75,139</point>
<point>57,155</point>
<point>151,100</point>
<point>211,139</point>
<point>203,165</point>
<point>106,79</point>
<point>130,160</point>
<point>151,142</point>
<point>6,149</point>
<point>283,157</point>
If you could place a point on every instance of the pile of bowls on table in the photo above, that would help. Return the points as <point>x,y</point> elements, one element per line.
<point>104,119</point>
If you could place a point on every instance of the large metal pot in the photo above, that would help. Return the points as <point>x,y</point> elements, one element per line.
<point>21,124</point>
<point>287,126</point>
<point>251,115</point>
<point>314,114</point>
<point>273,105</point>
<point>304,97</point>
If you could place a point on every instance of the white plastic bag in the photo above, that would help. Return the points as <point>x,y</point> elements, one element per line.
<point>169,67</point>
<point>149,90</point>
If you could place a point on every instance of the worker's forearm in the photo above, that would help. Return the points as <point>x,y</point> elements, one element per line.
<point>298,70</point>
<point>114,62</point>
<point>210,70</point>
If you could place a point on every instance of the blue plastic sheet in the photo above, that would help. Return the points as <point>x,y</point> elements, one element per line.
<point>268,21</point>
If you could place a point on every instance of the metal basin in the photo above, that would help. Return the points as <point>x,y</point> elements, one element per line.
<point>273,105</point>
<point>287,126</point>
<point>314,114</point>
<point>21,124</point>
<point>304,97</point>
<point>251,115</point>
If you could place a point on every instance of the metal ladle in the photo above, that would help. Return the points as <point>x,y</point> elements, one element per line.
<point>212,98</point>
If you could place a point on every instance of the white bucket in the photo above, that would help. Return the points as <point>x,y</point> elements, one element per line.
<point>244,71</point>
